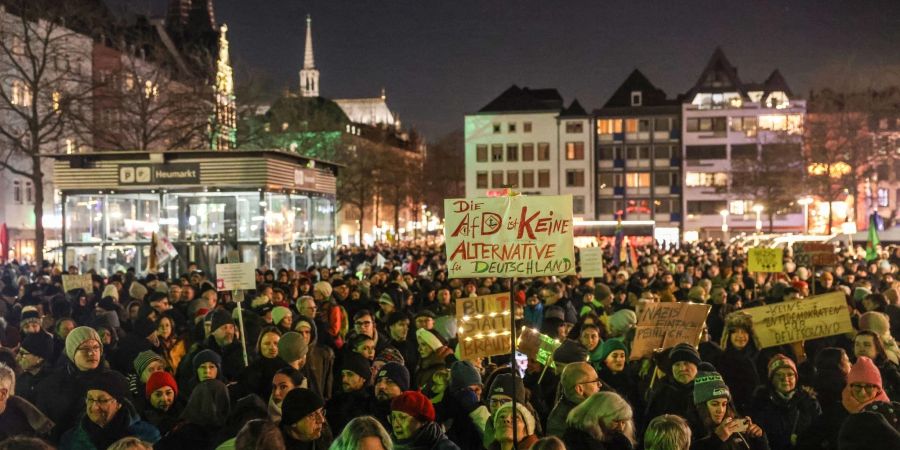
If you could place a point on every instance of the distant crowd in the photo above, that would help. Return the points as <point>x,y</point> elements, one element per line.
<point>364,355</point>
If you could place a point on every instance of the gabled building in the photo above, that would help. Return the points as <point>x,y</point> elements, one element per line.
<point>528,140</point>
<point>638,158</point>
<point>724,119</point>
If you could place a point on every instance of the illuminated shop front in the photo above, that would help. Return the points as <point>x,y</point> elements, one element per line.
<point>270,207</point>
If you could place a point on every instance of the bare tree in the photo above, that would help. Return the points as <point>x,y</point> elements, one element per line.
<point>774,177</point>
<point>357,180</point>
<point>444,170</point>
<point>141,102</point>
<point>44,77</point>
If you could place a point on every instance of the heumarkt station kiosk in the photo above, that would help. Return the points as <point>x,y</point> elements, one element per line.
<point>268,206</point>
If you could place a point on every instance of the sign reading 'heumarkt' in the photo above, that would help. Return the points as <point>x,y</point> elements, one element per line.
<point>515,236</point>
<point>156,174</point>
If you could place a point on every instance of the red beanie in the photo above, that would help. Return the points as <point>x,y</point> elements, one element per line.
<point>158,380</point>
<point>864,371</point>
<point>415,404</point>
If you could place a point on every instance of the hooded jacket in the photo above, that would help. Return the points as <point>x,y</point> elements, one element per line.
<point>319,360</point>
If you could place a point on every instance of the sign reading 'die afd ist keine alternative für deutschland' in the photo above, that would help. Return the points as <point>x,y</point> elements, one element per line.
<point>514,236</point>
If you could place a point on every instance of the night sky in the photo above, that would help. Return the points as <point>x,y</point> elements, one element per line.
<point>441,59</point>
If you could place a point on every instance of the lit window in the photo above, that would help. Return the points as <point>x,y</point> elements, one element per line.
<point>737,207</point>
<point>631,125</point>
<point>609,126</point>
<point>575,151</point>
<point>883,198</point>
<point>55,98</point>
<point>637,179</point>
<point>21,94</point>
<point>705,179</point>
<point>151,90</point>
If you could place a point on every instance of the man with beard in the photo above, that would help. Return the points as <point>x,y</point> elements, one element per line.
<point>355,397</point>
<point>303,423</point>
<point>390,381</point>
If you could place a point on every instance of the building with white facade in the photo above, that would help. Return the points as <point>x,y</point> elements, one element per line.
<point>526,139</point>
<point>724,119</point>
<point>639,156</point>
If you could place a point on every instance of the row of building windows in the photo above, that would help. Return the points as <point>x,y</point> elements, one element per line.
<point>496,153</point>
<point>615,126</point>
<point>574,178</point>
<point>792,123</point>
<point>638,179</point>
<point>638,152</point>
<point>638,206</point>
<point>571,126</point>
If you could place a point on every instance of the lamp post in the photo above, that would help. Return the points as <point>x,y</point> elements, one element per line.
<point>758,209</point>
<point>724,214</point>
<point>805,201</point>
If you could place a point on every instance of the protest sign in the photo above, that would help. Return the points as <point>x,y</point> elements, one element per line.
<point>664,325</point>
<point>591,262</point>
<point>538,347</point>
<point>235,276</point>
<point>78,282</point>
<point>765,260</point>
<point>509,236</point>
<point>483,326</point>
<point>798,320</point>
<point>810,254</point>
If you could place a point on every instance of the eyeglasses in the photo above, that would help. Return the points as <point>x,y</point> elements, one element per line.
<point>498,402</point>
<point>317,415</point>
<point>363,322</point>
<point>89,350</point>
<point>597,381</point>
<point>859,387</point>
<point>103,402</point>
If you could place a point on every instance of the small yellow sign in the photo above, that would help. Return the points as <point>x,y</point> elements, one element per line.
<point>766,260</point>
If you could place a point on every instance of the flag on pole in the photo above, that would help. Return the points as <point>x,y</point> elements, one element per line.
<point>618,248</point>
<point>873,241</point>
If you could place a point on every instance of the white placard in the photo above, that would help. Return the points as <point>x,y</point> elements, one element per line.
<point>591,262</point>
<point>235,276</point>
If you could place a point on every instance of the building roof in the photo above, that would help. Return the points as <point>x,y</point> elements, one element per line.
<point>369,111</point>
<point>574,110</point>
<point>721,76</point>
<point>636,81</point>
<point>525,99</point>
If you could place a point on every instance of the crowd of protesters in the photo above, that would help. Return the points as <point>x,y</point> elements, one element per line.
<point>364,356</point>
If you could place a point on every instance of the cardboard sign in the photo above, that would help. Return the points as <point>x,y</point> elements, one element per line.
<point>765,260</point>
<point>811,254</point>
<point>483,326</point>
<point>591,262</point>
<point>664,325</point>
<point>83,281</point>
<point>235,276</point>
<point>799,320</point>
<point>509,236</point>
<point>538,347</point>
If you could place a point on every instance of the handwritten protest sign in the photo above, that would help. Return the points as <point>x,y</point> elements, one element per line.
<point>538,347</point>
<point>591,262</point>
<point>798,320</point>
<point>78,282</point>
<point>664,325</point>
<point>509,236</point>
<point>483,325</point>
<point>811,254</point>
<point>765,260</point>
<point>235,276</point>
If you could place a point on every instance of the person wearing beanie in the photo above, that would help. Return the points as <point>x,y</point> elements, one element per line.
<point>863,386</point>
<point>34,358</point>
<point>434,355</point>
<point>737,362</point>
<point>163,404</point>
<point>880,324</point>
<point>143,337</point>
<point>719,428</point>
<point>866,431</point>
<point>673,395</point>
<point>615,373</point>
<point>30,320</point>
<point>282,318</point>
<point>108,417</point>
<point>144,364</point>
<point>460,401</point>
<point>568,352</point>
<point>526,432</point>
<point>355,398</point>
<point>781,408</point>
<point>390,381</point>
<point>621,322</point>
<point>868,343</point>
<point>294,351</point>
<point>221,339</point>
<point>303,424</point>
<point>413,423</point>
<point>137,291</point>
<point>578,382</point>
<point>207,366</point>
<point>205,414</point>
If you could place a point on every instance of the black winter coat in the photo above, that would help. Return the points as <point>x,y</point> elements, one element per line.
<point>670,397</point>
<point>577,439</point>
<point>782,419</point>
<point>739,373</point>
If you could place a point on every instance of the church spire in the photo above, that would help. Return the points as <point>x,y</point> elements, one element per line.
<point>224,122</point>
<point>309,76</point>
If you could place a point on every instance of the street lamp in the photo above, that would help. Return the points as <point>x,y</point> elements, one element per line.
<point>724,214</point>
<point>758,209</point>
<point>805,201</point>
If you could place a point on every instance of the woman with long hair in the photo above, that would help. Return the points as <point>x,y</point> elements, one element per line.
<point>719,423</point>
<point>363,432</point>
